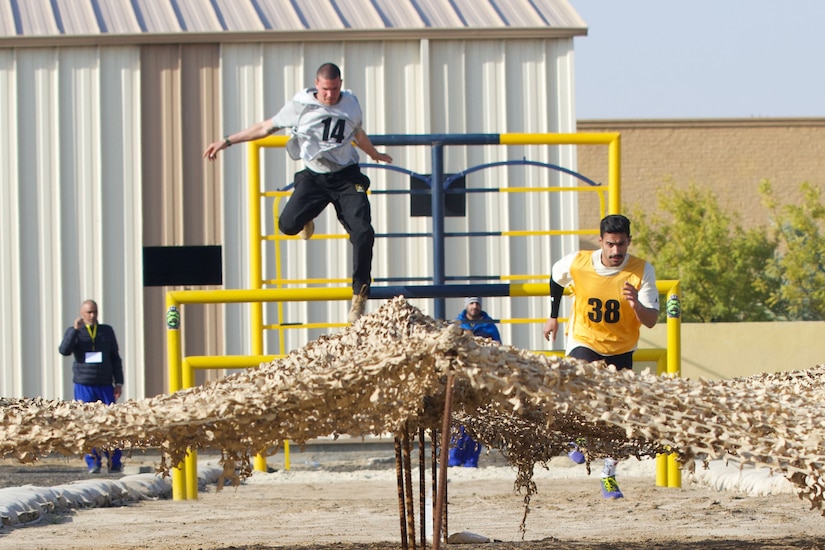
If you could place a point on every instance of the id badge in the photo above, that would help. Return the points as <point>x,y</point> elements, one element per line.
<point>94,357</point>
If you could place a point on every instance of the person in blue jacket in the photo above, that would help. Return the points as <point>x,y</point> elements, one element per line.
<point>97,370</point>
<point>465,450</point>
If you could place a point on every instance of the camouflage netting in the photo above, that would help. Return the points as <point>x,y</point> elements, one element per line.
<point>388,372</point>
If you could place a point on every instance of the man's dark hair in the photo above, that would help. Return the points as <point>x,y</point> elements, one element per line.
<point>328,71</point>
<point>614,223</point>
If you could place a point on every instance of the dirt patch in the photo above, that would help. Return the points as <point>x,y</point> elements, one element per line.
<point>348,500</point>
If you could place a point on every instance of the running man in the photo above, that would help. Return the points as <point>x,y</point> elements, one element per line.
<point>614,294</point>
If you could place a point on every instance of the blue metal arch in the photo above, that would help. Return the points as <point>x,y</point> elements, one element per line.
<point>524,162</point>
<point>449,180</point>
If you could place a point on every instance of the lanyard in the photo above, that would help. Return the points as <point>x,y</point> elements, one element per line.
<point>92,333</point>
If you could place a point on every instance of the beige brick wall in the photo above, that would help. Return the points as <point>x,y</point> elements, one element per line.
<point>717,351</point>
<point>730,156</point>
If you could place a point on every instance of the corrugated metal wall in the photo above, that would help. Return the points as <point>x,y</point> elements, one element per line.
<point>100,154</point>
<point>71,209</point>
<point>413,87</point>
<point>182,201</point>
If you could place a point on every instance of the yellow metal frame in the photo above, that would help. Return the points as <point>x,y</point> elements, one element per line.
<point>181,375</point>
<point>181,370</point>
<point>256,237</point>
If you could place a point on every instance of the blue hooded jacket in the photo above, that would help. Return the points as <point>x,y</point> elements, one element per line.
<point>484,327</point>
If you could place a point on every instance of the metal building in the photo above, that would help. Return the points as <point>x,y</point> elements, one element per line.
<point>107,105</point>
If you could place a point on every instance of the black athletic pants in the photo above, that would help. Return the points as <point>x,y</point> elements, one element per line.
<point>622,361</point>
<point>347,191</point>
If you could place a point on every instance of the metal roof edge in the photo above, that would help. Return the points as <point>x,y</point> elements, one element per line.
<point>752,122</point>
<point>308,35</point>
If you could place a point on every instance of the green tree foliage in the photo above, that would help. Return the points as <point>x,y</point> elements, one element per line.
<point>721,267</point>
<point>801,265</point>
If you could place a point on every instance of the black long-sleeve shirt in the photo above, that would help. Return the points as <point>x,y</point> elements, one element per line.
<point>79,342</point>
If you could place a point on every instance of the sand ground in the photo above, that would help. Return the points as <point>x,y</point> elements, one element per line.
<point>332,500</point>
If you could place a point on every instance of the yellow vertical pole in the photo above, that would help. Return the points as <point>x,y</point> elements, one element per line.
<point>661,363</point>
<point>673,308</point>
<point>278,278</point>
<point>661,460</point>
<point>255,262</point>
<point>190,463</point>
<point>255,256</point>
<point>187,374</point>
<point>190,474</point>
<point>668,473</point>
<point>614,175</point>
<point>674,330</point>
<point>173,357</point>
<point>661,470</point>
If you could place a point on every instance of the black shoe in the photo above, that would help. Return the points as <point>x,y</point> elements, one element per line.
<point>116,469</point>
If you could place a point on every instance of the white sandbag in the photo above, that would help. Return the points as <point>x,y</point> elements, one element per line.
<point>467,537</point>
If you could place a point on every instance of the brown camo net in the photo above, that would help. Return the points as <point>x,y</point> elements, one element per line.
<point>387,373</point>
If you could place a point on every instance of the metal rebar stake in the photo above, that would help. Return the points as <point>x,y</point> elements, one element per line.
<point>399,474</point>
<point>408,488</point>
<point>444,456</point>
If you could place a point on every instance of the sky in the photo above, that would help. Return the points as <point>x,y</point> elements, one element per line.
<point>700,59</point>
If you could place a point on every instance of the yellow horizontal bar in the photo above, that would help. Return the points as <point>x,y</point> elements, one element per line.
<point>641,355</point>
<point>583,189</point>
<point>227,361</point>
<point>316,236</point>
<point>543,289</point>
<point>530,289</point>
<point>584,138</point>
<point>550,232</point>
<point>306,281</point>
<point>558,352</point>
<point>523,277</point>
<point>601,138</point>
<point>526,321</point>
<point>225,296</point>
<point>588,189</point>
<point>305,325</point>
<point>260,295</point>
<point>649,354</point>
<point>271,141</point>
<point>296,237</point>
<point>665,286</point>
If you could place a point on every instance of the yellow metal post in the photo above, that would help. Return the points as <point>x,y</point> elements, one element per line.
<point>668,473</point>
<point>614,176</point>
<point>255,255</point>
<point>673,307</point>
<point>661,470</point>
<point>173,354</point>
<point>189,365</point>
<point>190,474</point>
<point>256,262</point>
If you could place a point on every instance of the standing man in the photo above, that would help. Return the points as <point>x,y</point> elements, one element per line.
<point>323,122</point>
<point>476,320</point>
<point>97,370</point>
<point>614,294</point>
<point>465,451</point>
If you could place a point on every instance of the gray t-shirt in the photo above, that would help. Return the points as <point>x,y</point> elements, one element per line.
<point>322,135</point>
